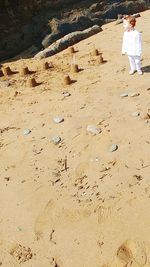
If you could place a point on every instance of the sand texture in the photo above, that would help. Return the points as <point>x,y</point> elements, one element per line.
<point>74,159</point>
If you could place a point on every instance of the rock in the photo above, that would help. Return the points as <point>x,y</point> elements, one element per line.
<point>96,7</point>
<point>137,15</point>
<point>58,119</point>
<point>135,114</point>
<point>67,41</point>
<point>26,132</point>
<point>93,129</point>
<point>66,94</point>
<point>56,139</point>
<point>60,28</point>
<point>113,148</point>
<point>134,94</point>
<point>124,95</point>
<point>120,16</point>
<point>119,21</point>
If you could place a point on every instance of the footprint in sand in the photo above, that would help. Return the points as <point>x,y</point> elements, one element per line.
<point>55,215</point>
<point>7,260</point>
<point>133,251</point>
<point>81,169</point>
<point>103,213</point>
<point>44,220</point>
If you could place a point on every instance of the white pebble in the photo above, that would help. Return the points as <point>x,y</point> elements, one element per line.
<point>113,148</point>
<point>134,94</point>
<point>93,129</point>
<point>58,119</point>
<point>26,131</point>
<point>124,95</point>
<point>136,114</point>
<point>56,139</point>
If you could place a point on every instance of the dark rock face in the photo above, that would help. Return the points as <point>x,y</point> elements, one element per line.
<point>24,23</point>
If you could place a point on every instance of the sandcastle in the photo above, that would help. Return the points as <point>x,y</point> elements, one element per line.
<point>24,71</point>
<point>1,73</point>
<point>74,68</point>
<point>100,59</point>
<point>95,52</point>
<point>45,66</point>
<point>32,82</point>
<point>67,80</point>
<point>71,49</point>
<point>7,71</point>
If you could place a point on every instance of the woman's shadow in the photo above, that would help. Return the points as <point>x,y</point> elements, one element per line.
<point>146,69</point>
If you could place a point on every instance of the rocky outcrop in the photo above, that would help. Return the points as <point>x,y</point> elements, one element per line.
<point>67,41</point>
<point>41,22</point>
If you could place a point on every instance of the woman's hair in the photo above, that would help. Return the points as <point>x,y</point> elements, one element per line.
<point>130,19</point>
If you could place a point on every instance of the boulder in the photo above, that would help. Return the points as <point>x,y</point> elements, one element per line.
<point>67,41</point>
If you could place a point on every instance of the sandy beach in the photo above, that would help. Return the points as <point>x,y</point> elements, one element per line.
<point>77,203</point>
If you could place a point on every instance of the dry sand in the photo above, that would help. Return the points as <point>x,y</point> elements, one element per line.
<point>80,216</point>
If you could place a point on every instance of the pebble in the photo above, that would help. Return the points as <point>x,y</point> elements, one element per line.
<point>58,119</point>
<point>113,148</point>
<point>66,94</point>
<point>136,114</point>
<point>134,94</point>
<point>93,129</point>
<point>124,95</point>
<point>56,139</point>
<point>95,159</point>
<point>26,132</point>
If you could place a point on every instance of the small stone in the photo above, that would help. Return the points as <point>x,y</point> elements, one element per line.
<point>56,139</point>
<point>93,129</point>
<point>124,95</point>
<point>66,94</point>
<point>26,132</point>
<point>136,114</point>
<point>58,119</point>
<point>113,148</point>
<point>134,94</point>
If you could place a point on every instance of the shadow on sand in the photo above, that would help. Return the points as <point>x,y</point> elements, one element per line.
<point>146,69</point>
